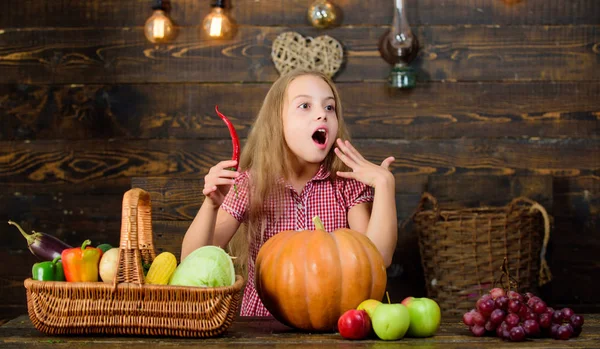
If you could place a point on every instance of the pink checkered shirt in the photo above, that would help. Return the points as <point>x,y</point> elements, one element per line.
<point>330,200</point>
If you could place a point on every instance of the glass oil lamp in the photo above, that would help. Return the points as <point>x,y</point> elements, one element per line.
<point>399,46</point>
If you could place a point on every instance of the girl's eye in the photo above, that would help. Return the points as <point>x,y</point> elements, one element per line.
<point>330,108</point>
<point>303,106</point>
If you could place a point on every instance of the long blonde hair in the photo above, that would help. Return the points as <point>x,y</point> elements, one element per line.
<point>268,158</point>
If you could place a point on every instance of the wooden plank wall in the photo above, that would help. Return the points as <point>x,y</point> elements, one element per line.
<point>87,104</point>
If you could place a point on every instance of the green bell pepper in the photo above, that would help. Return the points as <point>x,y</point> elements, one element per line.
<point>104,247</point>
<point>146,267</point>
<point>48,271</point>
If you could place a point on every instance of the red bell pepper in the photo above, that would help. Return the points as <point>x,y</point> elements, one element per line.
<point>81,263</point>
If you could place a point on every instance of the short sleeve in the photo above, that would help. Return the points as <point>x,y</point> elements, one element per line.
<point>356,193</point>
<point>236,201</point>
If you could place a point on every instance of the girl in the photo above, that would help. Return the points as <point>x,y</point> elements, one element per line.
<point>291,172</point>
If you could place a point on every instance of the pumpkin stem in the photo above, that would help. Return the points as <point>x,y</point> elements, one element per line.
<point>318,223</point>
<point>388,296</point>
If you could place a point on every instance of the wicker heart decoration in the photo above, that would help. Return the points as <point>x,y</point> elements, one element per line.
<point>291,51</point>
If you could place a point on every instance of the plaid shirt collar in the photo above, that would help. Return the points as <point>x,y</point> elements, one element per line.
<point>322,174</point>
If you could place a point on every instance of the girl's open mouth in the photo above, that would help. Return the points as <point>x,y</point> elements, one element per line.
<point>320,138</point>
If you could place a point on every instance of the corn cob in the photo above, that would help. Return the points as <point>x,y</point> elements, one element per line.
<point>161,269</point>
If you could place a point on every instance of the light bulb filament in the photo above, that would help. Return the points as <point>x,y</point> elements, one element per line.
<point>215,26</point>
<point>159,28</point>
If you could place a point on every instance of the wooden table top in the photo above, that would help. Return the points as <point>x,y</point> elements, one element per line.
<point>266,332</point>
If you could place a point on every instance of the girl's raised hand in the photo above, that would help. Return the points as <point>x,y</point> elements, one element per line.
<point>218,181</point>
<point>363,170</point>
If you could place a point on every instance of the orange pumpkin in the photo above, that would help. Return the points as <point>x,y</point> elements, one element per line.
<point>308,279</point>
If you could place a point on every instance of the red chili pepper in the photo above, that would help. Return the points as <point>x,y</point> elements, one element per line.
<point>235,141</point>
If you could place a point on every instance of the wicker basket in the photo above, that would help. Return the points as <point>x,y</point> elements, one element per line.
<point>463,251</point>
<point>127,306</point>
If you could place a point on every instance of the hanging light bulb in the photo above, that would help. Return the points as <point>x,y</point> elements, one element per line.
<point>323,14</point>
<point>399,46</point>
<point>217,24</point>
<point>159,28</point>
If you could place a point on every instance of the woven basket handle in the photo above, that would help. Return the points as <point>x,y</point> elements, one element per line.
<point>428,197</point>
<point>545,274</point>
<point>136,237</point>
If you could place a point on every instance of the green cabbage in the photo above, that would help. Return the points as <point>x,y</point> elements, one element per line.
<point>207,266</point>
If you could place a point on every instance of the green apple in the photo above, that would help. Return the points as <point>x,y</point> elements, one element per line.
<point>369,306</point>
<point>425,316</point>
<point>390,321</point>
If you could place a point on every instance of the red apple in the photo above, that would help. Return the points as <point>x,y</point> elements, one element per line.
<point>354,324</point>
<point>425,316</point>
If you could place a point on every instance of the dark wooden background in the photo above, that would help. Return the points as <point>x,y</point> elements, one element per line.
<point>507,94</point>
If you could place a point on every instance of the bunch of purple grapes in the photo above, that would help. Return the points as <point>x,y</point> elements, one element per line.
<point>513,316</point>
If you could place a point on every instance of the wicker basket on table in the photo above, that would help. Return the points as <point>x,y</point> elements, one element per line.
<point>463,251</point>
<point>127,306</point>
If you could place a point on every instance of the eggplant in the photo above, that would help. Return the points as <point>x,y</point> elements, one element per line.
<point>44,246</point>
